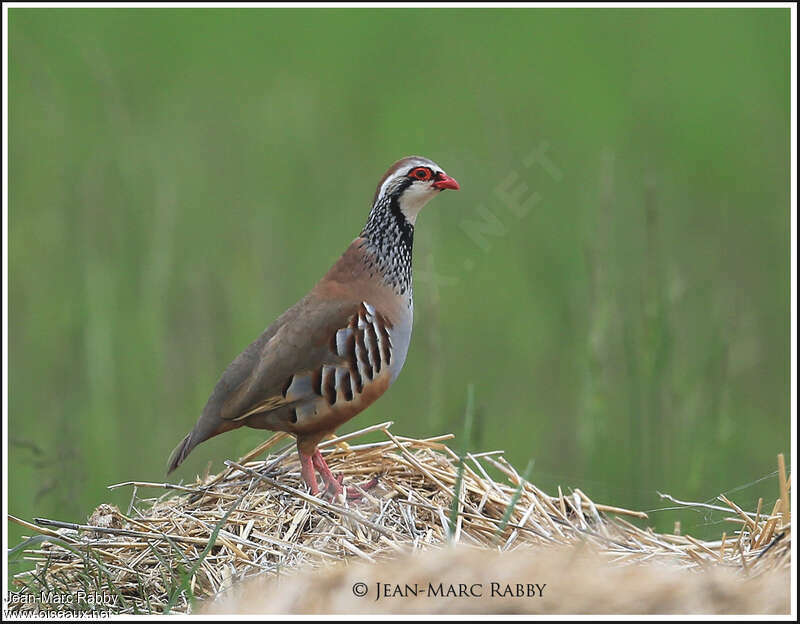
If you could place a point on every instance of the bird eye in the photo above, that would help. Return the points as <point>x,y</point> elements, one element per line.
<point>421,173</point>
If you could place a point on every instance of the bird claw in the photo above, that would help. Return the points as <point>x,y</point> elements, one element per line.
<point>333,483</point>
<point>352,492</point>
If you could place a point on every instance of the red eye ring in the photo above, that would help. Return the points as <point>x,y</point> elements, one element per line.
<point>421,173</point>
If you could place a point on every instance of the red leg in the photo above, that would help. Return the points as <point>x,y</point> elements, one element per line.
<point>332,484</point>
<point>307,470</point>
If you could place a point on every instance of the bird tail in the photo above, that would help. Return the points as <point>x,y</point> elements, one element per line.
<point>181,451</point>
<point>204,429</point>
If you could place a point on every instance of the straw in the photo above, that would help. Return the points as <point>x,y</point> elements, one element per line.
<point>191,541</point>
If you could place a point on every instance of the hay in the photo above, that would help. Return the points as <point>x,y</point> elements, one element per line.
<point>256,517</point>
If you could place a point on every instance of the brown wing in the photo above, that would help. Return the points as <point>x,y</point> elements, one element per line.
<point>256,380</point>
<point>297,358</point>
<point>304,340</point>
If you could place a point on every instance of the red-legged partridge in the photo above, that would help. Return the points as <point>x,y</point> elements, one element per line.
<point>339,348</point>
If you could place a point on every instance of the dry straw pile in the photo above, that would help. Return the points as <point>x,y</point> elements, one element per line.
<point>195,540</point>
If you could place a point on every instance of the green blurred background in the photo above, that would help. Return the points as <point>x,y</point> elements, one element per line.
<point>179,177</point>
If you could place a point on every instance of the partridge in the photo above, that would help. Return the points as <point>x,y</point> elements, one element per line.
<point>340,347</point>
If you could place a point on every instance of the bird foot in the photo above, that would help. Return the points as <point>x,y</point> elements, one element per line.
<point>334,486</point>
<point>354,491</point>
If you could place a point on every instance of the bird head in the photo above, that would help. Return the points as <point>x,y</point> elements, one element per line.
<point>412,182</point>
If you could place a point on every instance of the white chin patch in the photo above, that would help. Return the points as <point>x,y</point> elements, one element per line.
<point>414,198</point>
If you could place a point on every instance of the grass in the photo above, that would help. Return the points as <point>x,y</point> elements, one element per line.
<point>456,505</point>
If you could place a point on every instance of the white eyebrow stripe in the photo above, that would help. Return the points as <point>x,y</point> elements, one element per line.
<point>409,165</point>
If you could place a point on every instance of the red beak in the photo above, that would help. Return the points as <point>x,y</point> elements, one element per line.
<point>446,182</point>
